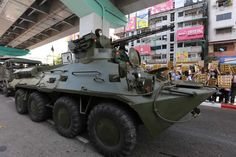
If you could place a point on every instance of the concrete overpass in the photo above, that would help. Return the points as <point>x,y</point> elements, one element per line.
<point>27,24</point>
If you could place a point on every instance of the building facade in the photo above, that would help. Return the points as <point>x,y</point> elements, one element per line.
<point>185,43</point>
<point>222,29</point>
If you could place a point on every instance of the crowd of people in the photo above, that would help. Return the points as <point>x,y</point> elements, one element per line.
<point>224,94</point>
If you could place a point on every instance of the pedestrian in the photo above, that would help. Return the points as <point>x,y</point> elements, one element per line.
<point>233,89</point>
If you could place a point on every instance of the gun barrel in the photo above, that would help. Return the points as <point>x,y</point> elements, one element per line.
<point>143,34</point>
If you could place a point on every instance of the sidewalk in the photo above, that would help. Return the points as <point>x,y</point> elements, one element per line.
<point>219,105</point>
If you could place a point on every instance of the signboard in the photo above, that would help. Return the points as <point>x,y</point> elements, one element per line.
<point>183,3</point>
<point>196,32</point>
<point>142,19</point>
<point>143,49</point>
<point>182,57</point>
<point>161,7</point>
<point>200,63</point>
<point>131,25</point>
<point>228,59</point>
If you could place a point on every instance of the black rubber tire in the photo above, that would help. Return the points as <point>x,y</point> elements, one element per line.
<point>40,112</point>
<point>76,121</point>
<point>5,90</point>
<point>21,104</point>
<point>124,123</point>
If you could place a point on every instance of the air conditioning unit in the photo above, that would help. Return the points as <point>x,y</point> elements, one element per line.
<point>2,5</point>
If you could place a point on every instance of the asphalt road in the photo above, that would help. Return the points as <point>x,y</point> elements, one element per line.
<point>213,134</point>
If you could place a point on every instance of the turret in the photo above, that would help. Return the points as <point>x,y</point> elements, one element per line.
<point>96,46</point>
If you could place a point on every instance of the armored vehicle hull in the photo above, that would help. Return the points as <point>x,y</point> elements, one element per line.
<point>107,94</point>
<point>91,90</point>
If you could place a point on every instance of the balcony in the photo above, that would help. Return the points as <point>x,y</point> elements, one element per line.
<point>191,49</point>
<point>190,18</point>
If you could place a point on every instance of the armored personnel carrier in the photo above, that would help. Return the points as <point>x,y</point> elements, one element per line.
<point>105,93</point>
<point>8,67</point>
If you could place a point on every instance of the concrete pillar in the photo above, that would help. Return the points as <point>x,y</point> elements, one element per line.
<point>91,22</point>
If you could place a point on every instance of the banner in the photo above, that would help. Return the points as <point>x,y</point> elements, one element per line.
<point>143,49</point>
<point>196,32</point>
<point>161,7</point>
<point>131,25</point>
<point>182,57</point>
<point>142,19</point>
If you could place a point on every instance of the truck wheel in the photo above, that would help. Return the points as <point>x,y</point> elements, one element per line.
<point>112,130</point>
<point>21,104</point>
<point>68,120</point>
<point>37,108</point>
<point>5,91</point>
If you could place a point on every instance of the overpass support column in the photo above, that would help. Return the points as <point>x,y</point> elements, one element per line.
<point>91,22</point>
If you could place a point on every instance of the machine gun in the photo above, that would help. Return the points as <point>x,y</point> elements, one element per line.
<point>124,41</point>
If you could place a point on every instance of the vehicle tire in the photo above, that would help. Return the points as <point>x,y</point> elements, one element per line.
<point>68,120</point>
<point>5,91</point>
<point>21,104</point>
<point>38,111</point>
<point>112,130</point>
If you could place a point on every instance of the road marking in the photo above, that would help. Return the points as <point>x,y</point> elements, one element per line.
<point>51,122</point>
<point>82,139</point>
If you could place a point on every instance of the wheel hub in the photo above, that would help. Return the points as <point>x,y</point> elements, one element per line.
<point>63,118</point>
<point>108,132</point>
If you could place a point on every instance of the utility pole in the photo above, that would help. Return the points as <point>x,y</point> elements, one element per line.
<point>52,49</point>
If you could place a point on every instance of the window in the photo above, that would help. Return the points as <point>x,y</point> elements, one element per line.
<point>180,44</point>
<point>138,41</point>
<point>163,56</point>
<point>225,16</point>
<point>172,57</point>
<point>190,44</point>
<point>156,47</point>
<point>164,37</point>
<point>132,43</point>
<point>224,3</point>
<point>172,17</point>
<point>180,25</point>
<point>191,55</point>
<point>180,14</point>
<point>172,36</point>
<point>224,30</point>
<point>164,46</point>
<point>164,18</point>
<point>172,48</point>
<point>158,38</point>
<point>127,34</point>
<point>220,48</point>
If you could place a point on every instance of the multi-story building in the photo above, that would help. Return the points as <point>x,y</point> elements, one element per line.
<point>222,29</point>
<point>185,43</point>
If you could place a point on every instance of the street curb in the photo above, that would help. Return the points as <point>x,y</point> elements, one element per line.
<point>218,105</point>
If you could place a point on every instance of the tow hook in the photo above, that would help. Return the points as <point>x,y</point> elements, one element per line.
<point>195,112</point>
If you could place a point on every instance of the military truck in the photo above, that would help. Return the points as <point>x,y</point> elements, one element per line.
<point>9,66</point>
<point>105,94</point>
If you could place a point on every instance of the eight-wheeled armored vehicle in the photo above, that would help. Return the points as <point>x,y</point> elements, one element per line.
<point>106,94</point>
<point>7,69</point>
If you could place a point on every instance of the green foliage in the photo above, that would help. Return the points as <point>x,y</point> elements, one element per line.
<point>57,60</point>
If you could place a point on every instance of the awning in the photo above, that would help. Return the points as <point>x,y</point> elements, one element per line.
<point>7,51</point>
